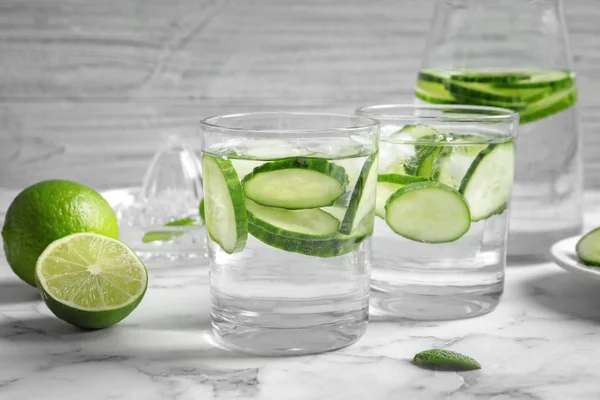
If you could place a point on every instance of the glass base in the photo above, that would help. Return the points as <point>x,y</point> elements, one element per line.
<point>278,330</point>
<point>433,303</point>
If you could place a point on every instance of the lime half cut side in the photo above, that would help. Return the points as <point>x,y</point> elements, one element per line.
<point>90,281</point>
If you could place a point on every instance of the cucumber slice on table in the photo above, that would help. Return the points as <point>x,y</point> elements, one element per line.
<point>428,212</point>
<point>311,232</point>
<point>296,183</point>
<point>362,201</point>
<point>388,184</point>
<point>224,204</point>
<point>487,185</point>
<point>588,248</point>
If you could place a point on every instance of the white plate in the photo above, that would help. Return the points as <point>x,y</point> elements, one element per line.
<point>564,255</point>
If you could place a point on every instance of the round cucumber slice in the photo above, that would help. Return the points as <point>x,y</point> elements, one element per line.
<point>309,232</point>
<point>495,77</point>
<point>224,204</point>
<point>362,201</point>
<point>296,183</point>
<point>487,185</point>
<point>295,224</point>
<point>475,90</point>
<point>542,79</point>
<point>588,248</point>
<point>434,92</point>
<point>428,212</point>
<point>553,104</point>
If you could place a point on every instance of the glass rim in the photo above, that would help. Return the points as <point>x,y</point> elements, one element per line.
<point>495,114</point>
<point>215,122</point>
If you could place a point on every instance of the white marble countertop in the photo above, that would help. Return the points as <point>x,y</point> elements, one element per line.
<point>542,342</point>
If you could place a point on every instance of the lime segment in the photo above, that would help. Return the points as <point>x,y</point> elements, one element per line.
<point>90,281</point>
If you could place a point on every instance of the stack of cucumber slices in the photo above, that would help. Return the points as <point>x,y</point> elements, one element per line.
<point>535,94</point>
<point>449,182</point>
<point>291,203</point>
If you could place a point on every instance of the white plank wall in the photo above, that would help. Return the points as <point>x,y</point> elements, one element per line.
<point>87,87</point>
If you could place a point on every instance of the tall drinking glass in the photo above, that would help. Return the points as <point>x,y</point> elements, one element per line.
<point>289,207</point>
<point>443,195</point>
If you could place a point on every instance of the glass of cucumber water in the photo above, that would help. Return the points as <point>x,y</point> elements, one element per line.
<point>443,193</point>
<point>289,206</point>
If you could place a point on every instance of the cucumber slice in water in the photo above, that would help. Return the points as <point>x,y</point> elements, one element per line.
<point>310,232</point>
<point>487,185</point>
<point>434,92</point>
<point>295,224</point>
<point>541,79</point>
<point>552,104</point>
<point>495,77</point>
<point>224,204</point>
<point>484,91</point>
<point>588,248</point>
<point>419,131</point>
<point>362,201</point>
<point>296,183</point>
<point>388,184</point>
<point>428,212</point>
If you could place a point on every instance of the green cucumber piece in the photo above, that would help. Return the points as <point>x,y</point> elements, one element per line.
<point>224,204</point>
<point>431,75</point>
<point>445,360</point>
<point>425,167</point>
<point>484,91</point>
<point>553,104</point>
<point>336,211</point>
<point>202,212</point>
<point>388,184</point>
<point>428,212</point>
<point>588,248</point>
<point>542,79</point>
<point>295,224</point>
<point>362,201</point>
<point>487,185</point>
<point>434,92</point>
<point>495,77</point>
<point>296,183</point>
<point>310,232</point>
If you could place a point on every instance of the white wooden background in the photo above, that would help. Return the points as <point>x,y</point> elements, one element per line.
<point>88,86</point>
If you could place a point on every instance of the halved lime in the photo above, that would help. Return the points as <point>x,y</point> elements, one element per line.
<point>90,281</point>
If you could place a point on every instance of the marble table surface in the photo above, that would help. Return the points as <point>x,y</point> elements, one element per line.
<point>542,342</point>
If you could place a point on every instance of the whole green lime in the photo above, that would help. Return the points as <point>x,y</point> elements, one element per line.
<point>48,211</point>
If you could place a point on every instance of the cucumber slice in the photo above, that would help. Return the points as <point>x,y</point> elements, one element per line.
<point>362,201</point>
<point>497,77</point>
<point>428,212</point>
<point>542,79</point>
<point>502,95</point>
<point>553,104</point>
<point>588,248</point>
<point>295,224</point>
<point>224,204</point>
<point>387,185</point>
<point>336,211</point>
<point>487,185</point>
<point>309,232</point>
<point>434,92</point>
<point>201,209</point>
<point>425,167</point>
<point>296,183</point>
<point>430,75</point>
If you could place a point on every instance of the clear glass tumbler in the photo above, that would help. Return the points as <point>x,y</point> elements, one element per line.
<point>515,54</point>
<point>443,194</point>
<point>289,207</point>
